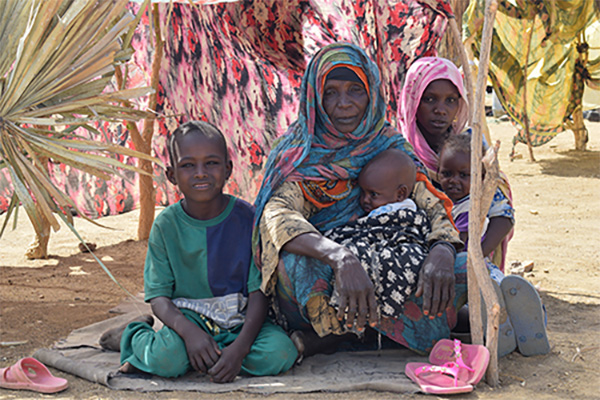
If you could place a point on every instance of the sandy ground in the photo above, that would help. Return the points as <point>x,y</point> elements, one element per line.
<point>558,226</point>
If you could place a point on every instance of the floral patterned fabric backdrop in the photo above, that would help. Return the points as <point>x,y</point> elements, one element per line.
<point>238,65</point>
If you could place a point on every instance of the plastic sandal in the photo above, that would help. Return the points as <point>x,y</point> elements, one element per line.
<point>472,359</point>
<point>526,313</point>
<point>507,342</point>
<point>30,374</point>
<point>437,379</point>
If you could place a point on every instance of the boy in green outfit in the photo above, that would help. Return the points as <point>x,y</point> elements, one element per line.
<point>200,278</point>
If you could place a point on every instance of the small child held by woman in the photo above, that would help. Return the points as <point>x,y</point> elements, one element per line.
<point>392,237</point>
<point>523,325</point>
<point>200,278</point>
<point>454,174</point>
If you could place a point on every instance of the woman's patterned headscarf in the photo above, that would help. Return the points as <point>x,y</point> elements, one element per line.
<point>420,74</point>
<point>313,150</point>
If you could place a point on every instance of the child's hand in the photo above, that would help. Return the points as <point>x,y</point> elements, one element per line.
<point>202,350</point>
<point>229,364</point>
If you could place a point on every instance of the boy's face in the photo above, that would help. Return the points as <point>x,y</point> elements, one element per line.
<point>200,169</point>
<point>455,173</point>
<point>379,186</point>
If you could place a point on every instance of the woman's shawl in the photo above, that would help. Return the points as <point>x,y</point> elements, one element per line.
<point>313,150</point>
<point>420,74</point>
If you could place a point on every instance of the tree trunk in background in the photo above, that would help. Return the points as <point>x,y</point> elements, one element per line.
<point>579,129</point>
<point>447,47</point>
<point>147,202</point>
<point>146,182</point>
<point>38,249</point>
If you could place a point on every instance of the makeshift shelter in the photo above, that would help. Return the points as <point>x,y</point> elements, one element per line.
<point>239,65</point>
<point>544,54</point>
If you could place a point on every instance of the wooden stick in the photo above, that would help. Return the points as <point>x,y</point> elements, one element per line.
<point>490,184</point>
<point>146,182</point>
<point>476,262</point>
<point>464,59</point>
<point>578,126</point>
<point>579,130</point>
<point>525,114</point>
<point>493,328</point>
<point>491,179</point>
<point>143,140</point>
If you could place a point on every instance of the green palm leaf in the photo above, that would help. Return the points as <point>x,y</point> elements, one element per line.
<point>58,56</point>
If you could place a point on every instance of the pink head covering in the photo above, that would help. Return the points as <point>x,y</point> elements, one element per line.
<point>420,74</point>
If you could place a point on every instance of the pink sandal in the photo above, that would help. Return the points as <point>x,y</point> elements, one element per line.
<point>437,379</point>
<point>30,374</point>
<point>472,359</point>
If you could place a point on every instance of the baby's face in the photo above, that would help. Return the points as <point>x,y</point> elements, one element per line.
<point>378,187</point>
<point>455,174</point>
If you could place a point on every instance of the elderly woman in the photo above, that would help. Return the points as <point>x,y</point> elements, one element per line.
<point>310,186</point>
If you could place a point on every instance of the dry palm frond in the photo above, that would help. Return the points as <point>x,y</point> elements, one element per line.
<point>57,58</point>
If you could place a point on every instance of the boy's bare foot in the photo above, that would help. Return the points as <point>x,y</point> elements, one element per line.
<point>111,339</point>
<point>127,368</point>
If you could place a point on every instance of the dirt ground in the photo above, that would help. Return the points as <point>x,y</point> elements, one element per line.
<point>557,200</point>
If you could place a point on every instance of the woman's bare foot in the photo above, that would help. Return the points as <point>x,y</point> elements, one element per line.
<point>322,316</point>
<point>111,339</point>
<point>308,343</point>
<point>298,340</point>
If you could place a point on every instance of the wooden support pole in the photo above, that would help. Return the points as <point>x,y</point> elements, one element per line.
<point>477,271</point>
<point>464,59</point>
<point>146,182</point>
<point>525,74</point>
<point>579,130</point>
<point>143,140</point>
<point>578,125</point>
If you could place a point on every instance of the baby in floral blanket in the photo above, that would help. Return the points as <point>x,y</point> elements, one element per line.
<point>390,241</point>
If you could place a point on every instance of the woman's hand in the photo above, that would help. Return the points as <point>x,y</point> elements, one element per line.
<point>436,281</point>
<point>355,288</point>
<point>356,291</point>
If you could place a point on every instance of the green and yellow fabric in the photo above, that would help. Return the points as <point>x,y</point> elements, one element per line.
<point>559,64</point>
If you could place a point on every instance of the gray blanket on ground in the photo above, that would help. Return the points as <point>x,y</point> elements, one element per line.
<point>80,354</point>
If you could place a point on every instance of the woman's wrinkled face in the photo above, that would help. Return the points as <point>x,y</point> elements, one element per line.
<point>345,102</point>
<point>436,112</point>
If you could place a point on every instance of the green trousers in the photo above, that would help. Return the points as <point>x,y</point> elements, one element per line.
<point>163,352</point>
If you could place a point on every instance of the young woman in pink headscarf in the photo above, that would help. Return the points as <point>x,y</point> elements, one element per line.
<point>433,106</point>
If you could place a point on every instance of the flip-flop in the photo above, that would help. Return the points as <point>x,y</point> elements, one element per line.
<point>437,379</point>
<point>30,374</point>
<point>472,359</point>
<point>526,313</point>
<point>507,342</point>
